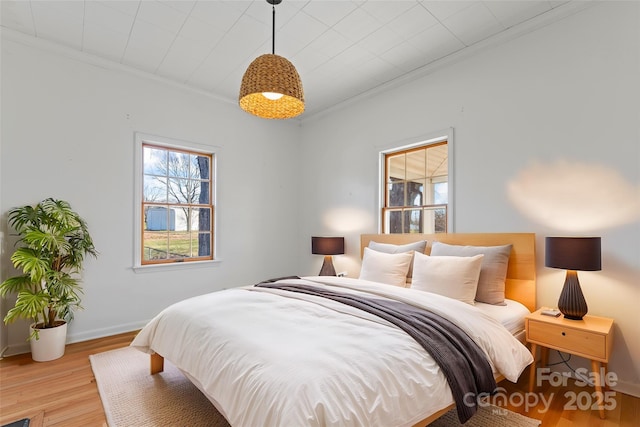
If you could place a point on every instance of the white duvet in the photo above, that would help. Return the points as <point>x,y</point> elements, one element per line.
<point>266,357</point>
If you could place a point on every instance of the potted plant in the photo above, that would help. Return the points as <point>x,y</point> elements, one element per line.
<point>54,242</point>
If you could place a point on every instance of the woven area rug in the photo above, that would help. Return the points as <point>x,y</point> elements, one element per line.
<point>132,397</point>
<point>487,416</point>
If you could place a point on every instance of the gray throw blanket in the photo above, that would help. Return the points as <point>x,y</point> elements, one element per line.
<point>463,363</point>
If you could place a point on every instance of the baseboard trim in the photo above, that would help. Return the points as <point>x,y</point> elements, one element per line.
<point>3,351</point>
<point>626,387</point>
<point>105,332</point>
<point>15,349</point>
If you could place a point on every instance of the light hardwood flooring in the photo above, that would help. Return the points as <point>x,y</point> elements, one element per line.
<point>624,410</point>
<point>63,393</point>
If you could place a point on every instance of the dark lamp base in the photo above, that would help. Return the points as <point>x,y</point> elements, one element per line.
<point>327,267</point>
<point>572,303</point>
<point>566,316</point>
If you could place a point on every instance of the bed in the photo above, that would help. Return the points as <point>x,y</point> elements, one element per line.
<point>284,353</point>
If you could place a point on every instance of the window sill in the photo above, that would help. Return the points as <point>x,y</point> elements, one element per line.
<point>154,268</point>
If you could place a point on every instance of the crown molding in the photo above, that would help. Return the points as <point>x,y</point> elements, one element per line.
<point>96,61</point>
<point>540,21</point>
<point>556,14</point>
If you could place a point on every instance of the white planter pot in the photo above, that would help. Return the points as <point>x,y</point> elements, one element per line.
<point>50,345</point>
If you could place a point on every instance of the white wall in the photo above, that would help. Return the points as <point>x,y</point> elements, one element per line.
<point>68,132</point>
<point>567,92</point>
<point>3,331</point>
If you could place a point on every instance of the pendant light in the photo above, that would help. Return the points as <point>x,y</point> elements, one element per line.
<point>271,87</point>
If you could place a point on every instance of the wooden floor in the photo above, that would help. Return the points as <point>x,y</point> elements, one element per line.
<point>63,393</point>
<point>563,403</point>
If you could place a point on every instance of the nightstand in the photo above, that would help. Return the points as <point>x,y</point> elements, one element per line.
<point>590,337</point>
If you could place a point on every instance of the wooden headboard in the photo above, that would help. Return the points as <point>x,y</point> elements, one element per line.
<point>521,275</point>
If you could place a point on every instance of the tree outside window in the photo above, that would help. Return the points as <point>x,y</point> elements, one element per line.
<point>416,190</point>
<point>177,208</point>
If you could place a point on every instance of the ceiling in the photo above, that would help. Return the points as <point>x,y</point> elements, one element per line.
<point>341,48</point>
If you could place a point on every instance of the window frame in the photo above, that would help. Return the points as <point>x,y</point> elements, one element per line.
<point>142,139</point>
<point>416,143</point>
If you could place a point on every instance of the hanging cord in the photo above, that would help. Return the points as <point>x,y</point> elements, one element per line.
<point>273,29</point>
<point>565,362</point>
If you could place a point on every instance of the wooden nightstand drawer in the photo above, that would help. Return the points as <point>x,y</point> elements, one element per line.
<point>590,337</point>
<point>586,343</point>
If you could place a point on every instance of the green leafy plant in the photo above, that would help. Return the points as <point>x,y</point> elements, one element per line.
<point>55,241</point>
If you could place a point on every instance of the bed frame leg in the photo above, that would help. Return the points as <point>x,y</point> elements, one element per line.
<point>157,363</point>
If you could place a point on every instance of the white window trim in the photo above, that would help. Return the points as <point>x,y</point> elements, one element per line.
<point>139,140</point>
<point>431,138</point>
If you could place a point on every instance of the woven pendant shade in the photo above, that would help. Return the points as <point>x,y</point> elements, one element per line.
<point>272,73</point>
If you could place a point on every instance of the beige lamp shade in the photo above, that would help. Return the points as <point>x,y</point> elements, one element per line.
<point>272,73</point>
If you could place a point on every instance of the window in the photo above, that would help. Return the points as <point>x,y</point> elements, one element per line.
<point>416,189</point>
<point>175,203</point>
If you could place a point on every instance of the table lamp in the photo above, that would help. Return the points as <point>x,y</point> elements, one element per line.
<point>327,246</point>
<point>572,254</point>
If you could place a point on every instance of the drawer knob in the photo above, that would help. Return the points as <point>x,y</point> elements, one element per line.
<point>564,333</point>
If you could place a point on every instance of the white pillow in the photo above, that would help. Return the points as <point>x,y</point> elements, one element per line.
<point>493,271</point>
<point>452,276</point>
<point>385,268</point>
<point>389,248</point>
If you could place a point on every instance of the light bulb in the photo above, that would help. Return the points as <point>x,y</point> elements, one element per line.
<point>274,96</point>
